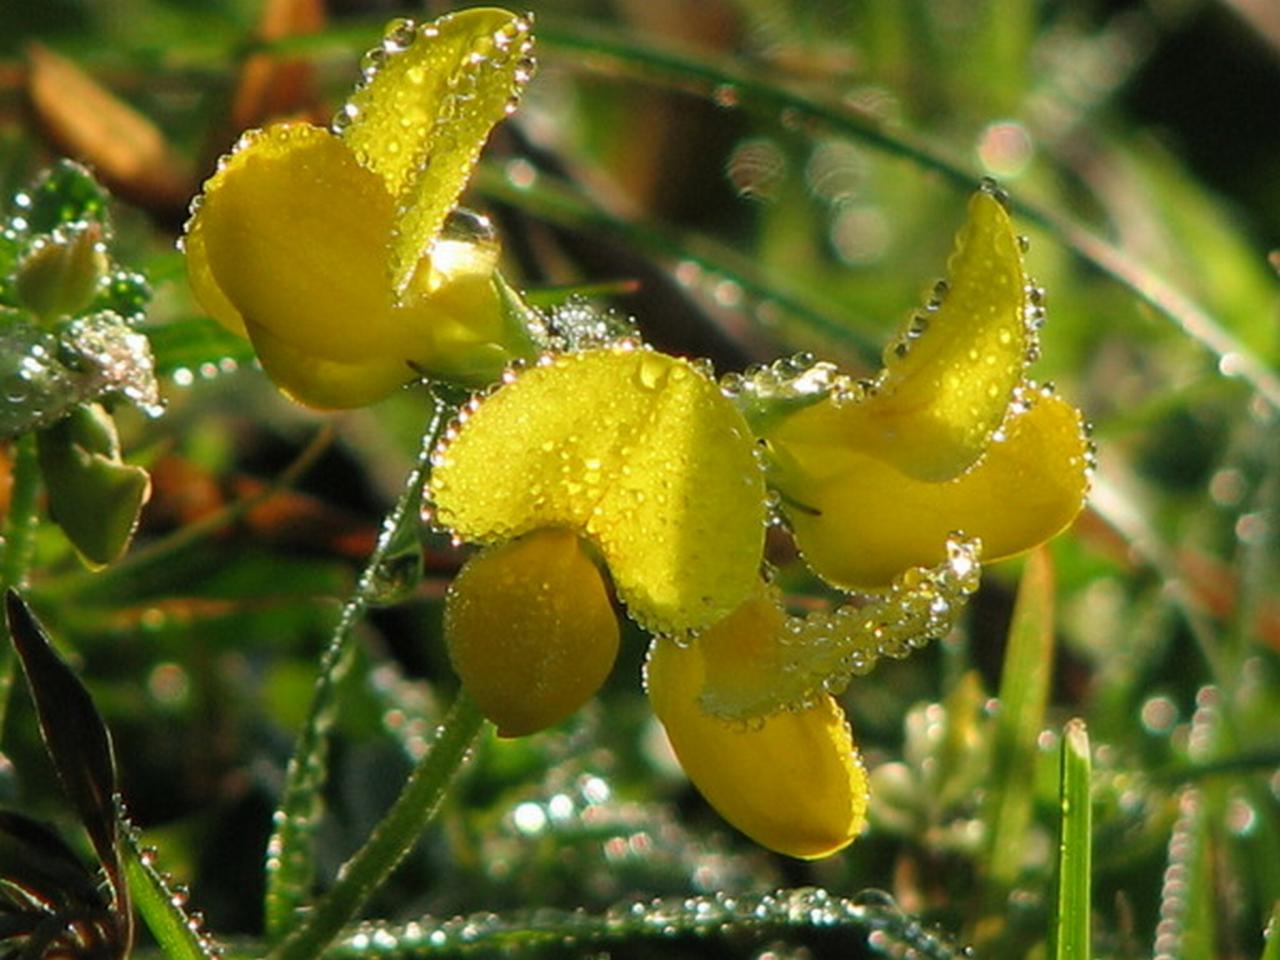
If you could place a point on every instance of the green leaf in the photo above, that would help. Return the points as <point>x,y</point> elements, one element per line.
<point>94,496</point>
<point>65,193</point>
<point>79,745</point>
<point>1071,920</point>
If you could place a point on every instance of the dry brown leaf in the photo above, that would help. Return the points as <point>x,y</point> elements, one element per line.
<point>86,121</point>
<point>272,86</point>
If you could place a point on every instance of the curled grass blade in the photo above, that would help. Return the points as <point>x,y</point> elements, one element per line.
<point>610,54</point>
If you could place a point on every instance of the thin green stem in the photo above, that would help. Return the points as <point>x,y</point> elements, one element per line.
<point>391,839</point>
<point>17,545</point>
<point>290,855</point>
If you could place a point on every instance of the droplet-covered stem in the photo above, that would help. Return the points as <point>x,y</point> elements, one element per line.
<point>360,876</point>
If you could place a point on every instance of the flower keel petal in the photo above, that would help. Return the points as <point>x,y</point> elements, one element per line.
<point>530,630</point>
<point>794,784</point>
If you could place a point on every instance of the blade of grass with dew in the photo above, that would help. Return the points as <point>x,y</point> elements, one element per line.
<point>162,907</point>
<point>1186,928</point>
<point>1024,691</point>
<point>393,837</point>
<point>290,864</point>
<point>1271,951</point>
<point>783,915</point>
<point>611,54</point>
<point>1069,932</point>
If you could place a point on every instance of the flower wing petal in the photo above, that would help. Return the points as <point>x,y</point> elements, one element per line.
<point>950,375</point>
<point>431,95</point>
<point>794,783</point>
<point>859,521</point>
<point>632,448</point>
<point>530,630</point>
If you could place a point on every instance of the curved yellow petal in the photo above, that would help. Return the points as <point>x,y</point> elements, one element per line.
<point>637,451</point>
<point>289,246</point>
<point>530,630</point>
<point>859,521</point>
<point>432,92</point>
<point>949,375</point>
<point>794,783</point>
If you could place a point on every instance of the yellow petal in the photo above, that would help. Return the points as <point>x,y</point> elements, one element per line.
<point>766,661</point>
<point>323,383</point>
<point>858,521</point>
<point>291,231</point>
<point>794,783</point>
<point>432,93</point>
<point>289,245</point>
<point>949,375</point>
<point>530,630</point>
<point>635,450</point>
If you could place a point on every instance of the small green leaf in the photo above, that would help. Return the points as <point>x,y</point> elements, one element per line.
<point>60,275</point>
<point>65,193</point>
<point>79,745</point>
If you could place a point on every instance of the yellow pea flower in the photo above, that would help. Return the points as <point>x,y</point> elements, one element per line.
<point>333,250</point>
<point>950,436</point>
<point>631,462</point>
<point>625,465</point>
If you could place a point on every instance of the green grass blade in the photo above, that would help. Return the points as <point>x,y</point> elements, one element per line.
<point>391,839</point>
<point>1186,928</point>
<point>1272,936</point>
<point>645,926</point>
<point>1070,930</point>
<point>1024,690</point>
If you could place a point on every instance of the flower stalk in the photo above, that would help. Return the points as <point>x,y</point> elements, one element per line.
<point>394,837</point>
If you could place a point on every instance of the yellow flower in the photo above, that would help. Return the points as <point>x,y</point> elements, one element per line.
<point>950,436</point>
<point>634,461</point>
<point>626,467</point>
<point>333,251</point>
